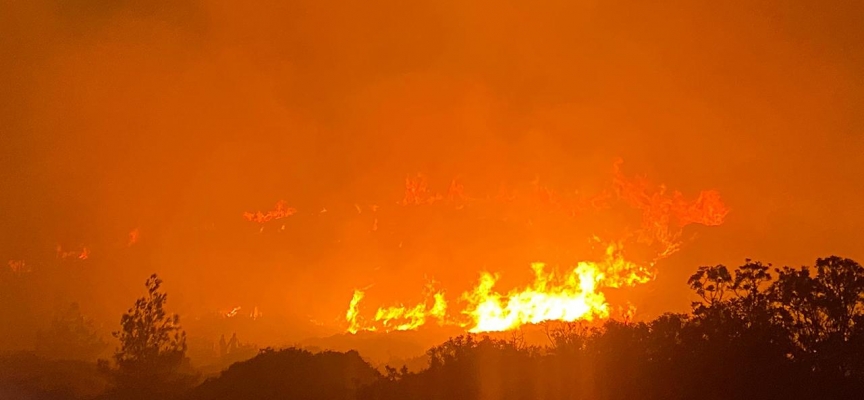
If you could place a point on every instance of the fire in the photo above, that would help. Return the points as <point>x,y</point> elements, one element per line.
<point>352,314</point>
<point>231,313</point>
<point>398,318</point>
<point>280,210</point>
<point>82,254</point>
<point>236,312</point>
<point>619,272</point>
<point>401,318</point>
<point>568,298</point>
<point>664,214</point>
<point>417,192</point>
<point>573,294</point>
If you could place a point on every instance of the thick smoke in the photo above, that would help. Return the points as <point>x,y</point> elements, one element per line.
<point>141,131</point>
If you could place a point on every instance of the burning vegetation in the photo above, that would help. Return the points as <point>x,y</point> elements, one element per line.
<point>427,200</point>
<point>571,294</point>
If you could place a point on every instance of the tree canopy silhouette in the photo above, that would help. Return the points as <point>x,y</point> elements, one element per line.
<point>754,332</point>
<point>152,354</point>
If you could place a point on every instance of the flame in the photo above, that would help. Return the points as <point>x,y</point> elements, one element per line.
<point>571,295</point>
<point>664,215</point>
<point>619,272</point>
<point>417,192</point>
<point>352,314</point>
<point>236,312</point>
<point>82,254</point>
<point>569,298</point>
<point>398,318</point>
<point>280,210</point>
<point>402,319</point>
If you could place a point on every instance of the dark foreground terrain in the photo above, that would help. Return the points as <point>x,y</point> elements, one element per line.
<point>755,334</point>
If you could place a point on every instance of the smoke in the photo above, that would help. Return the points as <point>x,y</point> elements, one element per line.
<point>171,119</point>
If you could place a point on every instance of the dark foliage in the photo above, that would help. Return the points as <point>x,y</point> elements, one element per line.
<point>751,336</point>
<point>151,361</point>
<point>291,374</point>
<point>756,332</point>
<point>25,376</point>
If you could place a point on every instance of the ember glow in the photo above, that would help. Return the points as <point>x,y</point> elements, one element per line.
<point>279,211</point>
<point>18,266</point>
<point>82,253</point>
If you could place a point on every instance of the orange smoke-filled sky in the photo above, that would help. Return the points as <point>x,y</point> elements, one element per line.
<point>171,119</point>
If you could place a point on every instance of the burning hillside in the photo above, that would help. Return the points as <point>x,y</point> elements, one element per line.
<point>556,294</point>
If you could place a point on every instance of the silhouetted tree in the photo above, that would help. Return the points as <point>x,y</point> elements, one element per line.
<point>151,360</point>
<point>750,284</point>
<point>711,284</point>
<point>824,313</point>
<point>738,343</point>
<point>749,336</point>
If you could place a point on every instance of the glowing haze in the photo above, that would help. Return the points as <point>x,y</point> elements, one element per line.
<point>272,160</point>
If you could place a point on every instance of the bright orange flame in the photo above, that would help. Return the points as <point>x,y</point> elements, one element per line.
<point>401,318</point>
<point>569,297</point>
<point>231,313</point>
<point>133,236</point>
<point>398,318</point>
<point>352,314</point>
<point>576,294</point>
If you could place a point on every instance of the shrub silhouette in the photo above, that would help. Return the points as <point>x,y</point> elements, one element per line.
<point>291,374</point>
<point>753,333</point>
<point>750,336</point>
